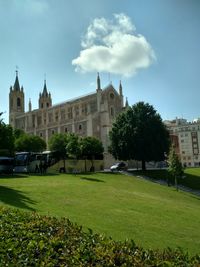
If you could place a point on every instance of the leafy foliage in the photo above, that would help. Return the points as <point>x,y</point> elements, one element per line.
<point>91,147</point>
<point>28,239</point>
<point>73,145</point>
<point>58,144</point>
<point>139,133</point>
<point>6,139</point>
<point>29,143</point>
<point>175,167</point>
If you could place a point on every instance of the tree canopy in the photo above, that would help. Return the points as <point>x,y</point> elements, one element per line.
<point>30,143</point>
<point>139,133</point>
<point>175,167</point>
<point>91,147</point>
<point>57,143</point>
<point>73,145</point>
<point>6,139</point>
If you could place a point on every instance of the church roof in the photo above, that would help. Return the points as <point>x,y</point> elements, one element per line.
<point>75,99</point>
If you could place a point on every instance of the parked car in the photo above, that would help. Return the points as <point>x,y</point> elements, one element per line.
<point>119,166</point>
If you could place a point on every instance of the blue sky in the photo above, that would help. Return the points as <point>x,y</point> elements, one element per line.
<point>151,46</point>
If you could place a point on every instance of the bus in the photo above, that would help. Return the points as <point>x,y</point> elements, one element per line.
<point>6,165</point>
<point>25,162</point>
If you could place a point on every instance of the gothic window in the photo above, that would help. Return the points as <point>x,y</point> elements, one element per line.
<point>42,105</point>
<point>52,132</point>
<point>80,127</point>
<point>50,117</point>
<point>47,105</point>
<point>70,113</point>
<point>66,130</point>
<point>56,116</point>
<point>77,110</point>
<point>112,111</point>
<point>84,109</point>
<point>40,134</point>
<point>93,106</point>
<point>62,114</point>
<point>112,96</point>
<point>18,102</point>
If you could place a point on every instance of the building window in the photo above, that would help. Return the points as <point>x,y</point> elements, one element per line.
<point>40,134</point>
<point>183,152</point>
<point>18,102</point>
<point>52,132</point>
<point>77,110</point>
<point>112,96</point>
<point>66,130</point>
<point>80,127</point>
<point>42,105</point>
<point>62,114</point>
<point>84,109</point>
<point>56,116</point>
<point>47,105</point>
<point>112,111</point>
<point>69,113</point>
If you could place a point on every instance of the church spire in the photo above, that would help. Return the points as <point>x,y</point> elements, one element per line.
<point>29,105</point>
<point>44,93</point>
<point>120,88</point>
<point>126,104</point>
<point>16,86</point>
<point>98,82</point>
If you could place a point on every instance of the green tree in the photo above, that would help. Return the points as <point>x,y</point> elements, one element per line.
<point>175,168</point>
<point>18,133</point>
<point>139,133</point>
<point>73,145</point>
<point>6,139</point>
<point>58,143</point>
<point>91,148</point>
<point>30,143</point>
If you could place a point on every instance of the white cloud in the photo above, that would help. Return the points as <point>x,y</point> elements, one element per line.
<point>113,46</point>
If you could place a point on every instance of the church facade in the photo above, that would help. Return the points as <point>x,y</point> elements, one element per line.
<point>89,115</point>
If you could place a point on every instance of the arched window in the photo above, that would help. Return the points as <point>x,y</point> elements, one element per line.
<point>42,105</point>
<point>47,105</point>
<point>80,127</point>
<point>18,102</point>
<point>112,111</point>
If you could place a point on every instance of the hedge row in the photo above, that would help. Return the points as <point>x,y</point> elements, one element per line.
<point>29,239</point>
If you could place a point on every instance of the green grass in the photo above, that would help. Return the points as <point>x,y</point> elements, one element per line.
<point>190,179</point>
<point>120,206</point>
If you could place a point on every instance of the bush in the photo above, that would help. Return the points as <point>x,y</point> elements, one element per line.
<point>29,239</point>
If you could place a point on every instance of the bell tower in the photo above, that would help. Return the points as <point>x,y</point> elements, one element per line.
<point>45,100</point>
<point>16,101</point>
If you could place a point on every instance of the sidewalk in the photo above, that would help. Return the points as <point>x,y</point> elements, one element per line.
<point>161,182</point>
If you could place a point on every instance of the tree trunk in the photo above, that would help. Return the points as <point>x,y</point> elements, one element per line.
<point>143,165</point>
<point>64,165</point>
<point>176,183</point>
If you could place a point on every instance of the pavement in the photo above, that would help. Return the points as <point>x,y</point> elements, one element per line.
<point>161,182</point>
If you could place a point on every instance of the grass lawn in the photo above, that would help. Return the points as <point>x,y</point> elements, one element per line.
<point>124,207</point>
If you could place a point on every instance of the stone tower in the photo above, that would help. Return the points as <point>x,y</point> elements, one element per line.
<point>45,100</point>
<point>16,101</point>
<point>99,92</point>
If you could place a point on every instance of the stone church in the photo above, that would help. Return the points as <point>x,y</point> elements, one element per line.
<point>89,115</point>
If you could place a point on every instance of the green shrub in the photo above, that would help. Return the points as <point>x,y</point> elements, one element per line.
<point>29,239</point>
